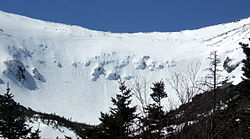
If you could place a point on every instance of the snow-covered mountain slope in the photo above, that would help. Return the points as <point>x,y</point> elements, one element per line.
<point>73,72</point>
<point>51,132</point>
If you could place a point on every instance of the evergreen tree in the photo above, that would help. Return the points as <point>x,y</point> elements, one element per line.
<point>246,62</point>
<point>158,92</point>
<point>12,119</point>
<point>246,71</point>
<point>118,124</point>
<point>153,122</point>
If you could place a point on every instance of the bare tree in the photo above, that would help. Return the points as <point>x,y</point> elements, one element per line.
<point>139,88</point>
<point>187,83</point>
<point>140,92</point>
<point>213,77</point>
<point>213,81</point>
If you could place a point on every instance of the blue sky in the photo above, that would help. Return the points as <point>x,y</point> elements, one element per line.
<point>132,15</point>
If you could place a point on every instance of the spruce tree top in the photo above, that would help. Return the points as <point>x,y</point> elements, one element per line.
<point>158,92</point>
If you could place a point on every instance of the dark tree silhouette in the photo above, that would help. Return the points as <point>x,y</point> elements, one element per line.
<point>35,134</point>
<point>214,76</point>
<point>246,62</point>
<point>158,92</point>
<point>12,119</point>
<point>153,121</point>
<point>118,123</point>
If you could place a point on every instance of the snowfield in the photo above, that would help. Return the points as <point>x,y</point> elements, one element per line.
<point>73,71</point>
<point>51,132</point>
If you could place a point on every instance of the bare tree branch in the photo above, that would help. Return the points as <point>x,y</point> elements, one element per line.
<point>187,83</point>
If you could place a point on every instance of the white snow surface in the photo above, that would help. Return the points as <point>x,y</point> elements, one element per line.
<point>48,131</point>
<point>73,71</point>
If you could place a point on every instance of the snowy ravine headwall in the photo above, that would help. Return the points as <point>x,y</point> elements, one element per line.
<point>73,71</point>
